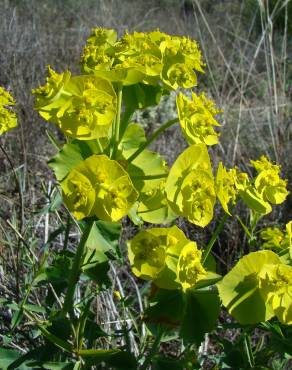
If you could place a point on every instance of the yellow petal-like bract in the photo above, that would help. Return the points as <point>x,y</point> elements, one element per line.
<point>82,106</point>
<point>258,288</point>
<point>147,57</point>
<point>190,186</point>
<point>167,257</point>
<point>99,186</point>
<point>196,118</point>
<point>189,268</point>
<point>276,287</point>
<point>8,118</point>
<point>240,291</point>
<point>266,189</point>
<point>228,184</point>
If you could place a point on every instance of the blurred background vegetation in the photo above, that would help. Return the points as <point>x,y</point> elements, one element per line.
<point>247,46</point>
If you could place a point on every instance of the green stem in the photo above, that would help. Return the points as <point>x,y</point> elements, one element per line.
<point>100,148</point>
<point>126,117</point>
<point>151,177</point>
<point>153,351</point>
<point>152,138</point>
<point>218,230</point>
<point>117,120</point>
<point>76,269</point>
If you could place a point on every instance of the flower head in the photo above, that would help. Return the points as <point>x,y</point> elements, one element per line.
<point>197,118</point>
<point>267,188</point>
<point>82,106</point>
<point>190,188</point>
<point>167,257</point>
<point>276,287</point>
<point>98,186</point>
<point>189,268</point>
<point>147,57</point>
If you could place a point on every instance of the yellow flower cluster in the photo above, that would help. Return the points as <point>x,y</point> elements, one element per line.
<point>190,187</point>
<point>266,189</point>
<point>275,282</point>
<point>228,184</point>
<point>83,107</point>
<point>147,57</point>
<point>8,118</point>
<point>275,238</point>
<point>167,257</point>
<point>100,187</point>
<point>259,283</point>
<point>196,118</point>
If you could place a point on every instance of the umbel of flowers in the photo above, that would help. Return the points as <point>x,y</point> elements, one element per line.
<point>106,170</point>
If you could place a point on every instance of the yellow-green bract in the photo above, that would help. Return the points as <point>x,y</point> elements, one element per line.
<point>196,118</point>
<point>8,118</point>
<point>147,57</point>
<point>167,257</point>
<point>276,289</point>
<point>266,189</point>
<point>190,186</point>
<point>99,187</point>
<point>258,288</point>
<point>82,106</point>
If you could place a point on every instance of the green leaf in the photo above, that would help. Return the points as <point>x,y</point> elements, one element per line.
<point>115,358</point>
<point>102,242</point>
<point>133,137</point>
<point>147,171</point>
<point>166,308</point>
<point>38,357</point>
<point>200,315</point>
<point>164,363</point>
<point>99,274</point>
<point>7,357</point>
<point>154,208</point>
<point>141,96</point>
<point>34,308</point>
<point>58,342</point>
<point>70,155</point>
<point>53,365</point>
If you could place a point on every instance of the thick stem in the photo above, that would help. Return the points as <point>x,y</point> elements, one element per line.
<point>152,138</point>
<point>76,269</point>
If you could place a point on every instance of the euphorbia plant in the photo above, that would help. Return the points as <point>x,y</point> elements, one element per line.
<point>106,172</point>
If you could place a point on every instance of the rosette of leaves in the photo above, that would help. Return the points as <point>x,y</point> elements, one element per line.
<point>98,186</point>
<point>83,107</point>
<point>197,118</point>
<point>190,188</point>
<point>147,57</point>
<point>166,257</point>
<point>8,119</point>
